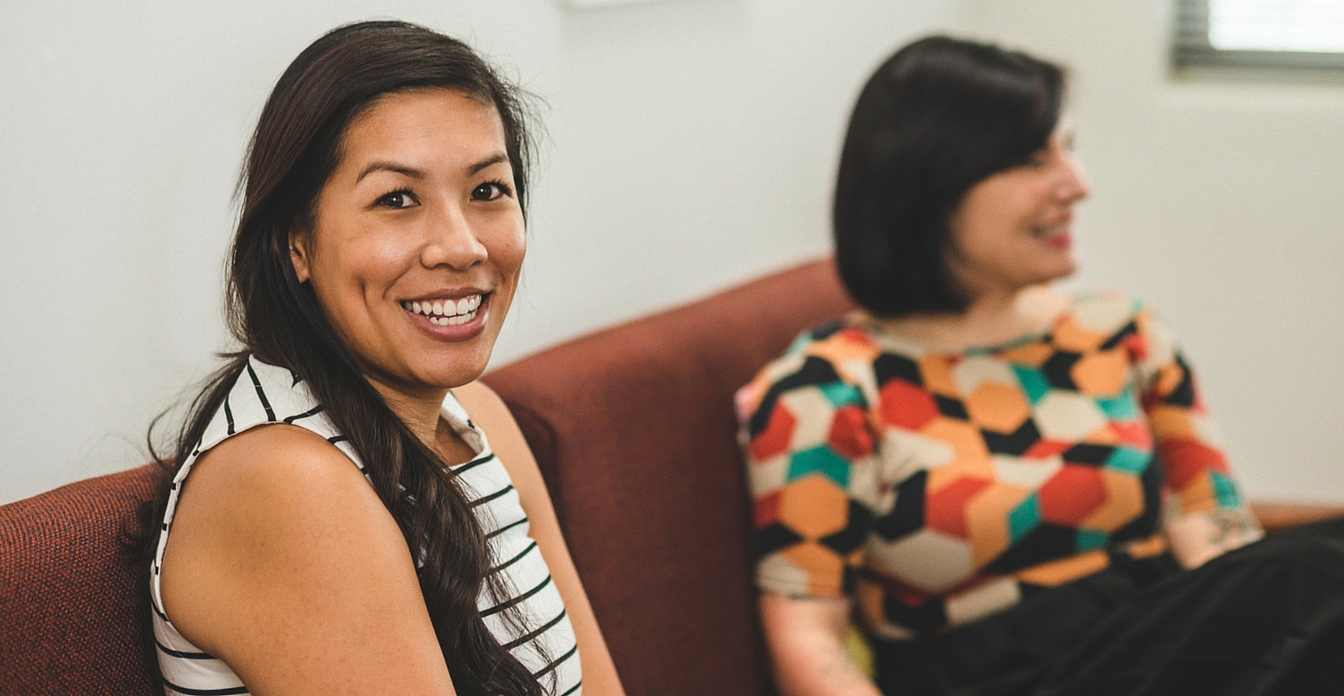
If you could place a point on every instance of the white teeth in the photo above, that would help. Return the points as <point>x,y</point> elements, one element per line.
<point>446,312</point>
<point>452,320</point>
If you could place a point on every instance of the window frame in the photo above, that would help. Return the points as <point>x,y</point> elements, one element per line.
<point>1190,47</point>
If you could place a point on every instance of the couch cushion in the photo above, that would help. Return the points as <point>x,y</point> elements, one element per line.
<point>634,430</point>
<point>71,595</point>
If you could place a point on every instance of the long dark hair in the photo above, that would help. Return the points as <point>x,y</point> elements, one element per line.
<point>936,118</point>
<point>273,316</point>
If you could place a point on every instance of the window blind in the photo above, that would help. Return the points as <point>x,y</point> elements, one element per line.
<point>1306,34</point>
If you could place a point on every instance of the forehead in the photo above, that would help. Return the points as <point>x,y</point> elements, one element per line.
<point>424,127</point>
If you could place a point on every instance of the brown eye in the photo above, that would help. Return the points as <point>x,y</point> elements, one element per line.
<point>489,191</point>
<point>397,200</point>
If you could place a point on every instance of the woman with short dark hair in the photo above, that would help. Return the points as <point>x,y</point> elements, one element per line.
<point>935,120</point>
<point>1013,489</point>
<point>332,518</point>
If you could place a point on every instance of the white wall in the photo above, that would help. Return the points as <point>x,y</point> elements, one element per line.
<point>692,143</point>
<point>1220,201</point>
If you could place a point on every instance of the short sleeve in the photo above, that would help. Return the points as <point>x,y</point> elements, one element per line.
<point>1195,466</point>
<point>808,445</point>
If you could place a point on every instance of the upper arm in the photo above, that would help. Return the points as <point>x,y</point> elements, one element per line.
<point>284,563</point>
<point>811,462</point>
<point>806,639</point>
<point>811,456</point>
<point>1196,468</point>
<point>1205,513</point>
<point>804,620</point>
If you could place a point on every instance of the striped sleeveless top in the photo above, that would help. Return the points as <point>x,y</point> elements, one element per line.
<point>544,643</point>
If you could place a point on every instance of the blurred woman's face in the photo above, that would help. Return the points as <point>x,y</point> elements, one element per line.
<point>417,240</point>
<point>1014,229</point>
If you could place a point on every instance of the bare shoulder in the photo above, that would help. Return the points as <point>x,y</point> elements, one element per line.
<point>264,457</point>
<point>486,407</point>
<point>489,412</point>
<point>267,483</point>
<point>279,546</point>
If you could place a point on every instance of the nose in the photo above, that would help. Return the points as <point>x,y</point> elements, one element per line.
<point>1073,183</point>
<point>451,241</point>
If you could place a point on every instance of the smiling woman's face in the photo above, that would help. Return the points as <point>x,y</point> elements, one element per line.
<point>1014,229</point>
<point>417,240</point>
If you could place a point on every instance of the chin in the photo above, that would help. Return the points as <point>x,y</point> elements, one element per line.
<point>1065,272</point>
<point>457,372</point>
<point>1057,270</point>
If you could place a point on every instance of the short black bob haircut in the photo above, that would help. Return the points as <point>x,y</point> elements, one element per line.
<point>936,118</point>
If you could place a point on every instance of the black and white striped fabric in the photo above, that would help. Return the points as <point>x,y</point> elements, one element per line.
<point>545,643</point>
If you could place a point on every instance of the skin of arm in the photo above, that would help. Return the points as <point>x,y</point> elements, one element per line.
<point>1200,537</point>
<point>1199,524</point>
<point>805,637</point>
<point>284,563</point>
<point>490,413</point>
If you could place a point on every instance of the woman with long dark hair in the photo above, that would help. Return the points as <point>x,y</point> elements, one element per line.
<point>368,539</point>
<point>1013,489</point>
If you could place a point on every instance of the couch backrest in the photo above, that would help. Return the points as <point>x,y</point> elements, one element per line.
<point>70,609</point>
<point>634,430</point>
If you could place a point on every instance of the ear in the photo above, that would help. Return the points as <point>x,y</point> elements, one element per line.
<point>298,253</point>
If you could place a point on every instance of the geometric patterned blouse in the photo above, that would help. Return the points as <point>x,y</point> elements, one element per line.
<point>937,488</point>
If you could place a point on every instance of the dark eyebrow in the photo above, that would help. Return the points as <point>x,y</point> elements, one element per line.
<point>417,174</point>
<point>496,159</point>
<point>389,167</point>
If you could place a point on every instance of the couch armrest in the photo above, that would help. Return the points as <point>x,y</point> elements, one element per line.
<point>1278,516</point>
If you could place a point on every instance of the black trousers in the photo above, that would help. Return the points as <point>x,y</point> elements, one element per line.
<point>1264,619</point>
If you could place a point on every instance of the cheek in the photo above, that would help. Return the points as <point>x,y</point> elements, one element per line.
<point>350,270</point>
<point>1033,201</point>
<point>507,247</point>
<point>978,222</point>
<point>380,261</point>
<point>981,235</point>
<point>1006,203</point>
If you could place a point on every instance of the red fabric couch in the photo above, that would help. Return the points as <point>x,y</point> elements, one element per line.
<point>70,612</point>
<point>634,431</point>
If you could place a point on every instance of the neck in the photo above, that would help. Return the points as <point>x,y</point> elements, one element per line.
<point>995,308</point>
<point>419,410</point>
<point>991,318</point>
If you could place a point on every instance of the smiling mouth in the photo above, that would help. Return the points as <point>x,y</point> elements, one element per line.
<point>1056,228</point>
<point>446,312</point>
<point>1052,233</point>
